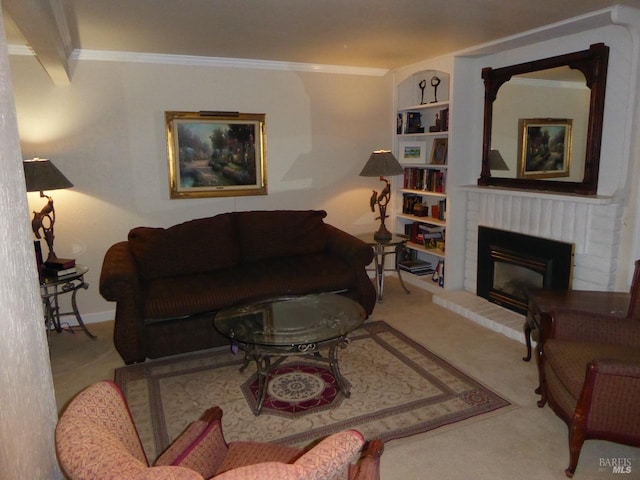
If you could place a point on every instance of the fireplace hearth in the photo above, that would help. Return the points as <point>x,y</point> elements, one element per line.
<point>510,263</point>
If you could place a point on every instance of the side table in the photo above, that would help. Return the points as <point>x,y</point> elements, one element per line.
<point>50,290</point>
<point>381,250</point>
<point>542,300</point>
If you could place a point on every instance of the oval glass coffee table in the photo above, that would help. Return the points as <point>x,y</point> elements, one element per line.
<point>286,326</point>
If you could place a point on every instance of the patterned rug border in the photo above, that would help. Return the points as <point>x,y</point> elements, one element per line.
<point>156,370</point>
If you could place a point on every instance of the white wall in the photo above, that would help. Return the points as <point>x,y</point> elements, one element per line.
<point>106,133</point>
<point>27,403</point>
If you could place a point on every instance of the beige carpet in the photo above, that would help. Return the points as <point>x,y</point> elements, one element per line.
<point>398,389</point>
<point>524,443</point>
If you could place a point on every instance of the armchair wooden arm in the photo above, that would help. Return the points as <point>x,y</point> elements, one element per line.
<point>607,408</point>
<point>583,326</point>
<point>368,467</point>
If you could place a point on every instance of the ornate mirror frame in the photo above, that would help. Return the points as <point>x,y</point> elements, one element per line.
<point>593,64</point>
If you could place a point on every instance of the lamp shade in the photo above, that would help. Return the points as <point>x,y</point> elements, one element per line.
<point>40,174</point>
<point>496,162</point>
<point>382,163</point>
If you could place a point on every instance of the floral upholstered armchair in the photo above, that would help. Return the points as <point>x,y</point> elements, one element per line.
<point>96,439</point>
<point>589,367</point>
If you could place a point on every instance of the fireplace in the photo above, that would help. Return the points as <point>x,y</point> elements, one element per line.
<point>510,263</point>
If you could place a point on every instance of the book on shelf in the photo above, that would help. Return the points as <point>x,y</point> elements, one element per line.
<point>430,231</point>
<point>442,209</point>
<point>60,263</point>
<point>444,120</point>
<point>413,123</point>
<point>430,180</point>
<point>415,266</point>
<point>438,274</point>
<point>426,235</point>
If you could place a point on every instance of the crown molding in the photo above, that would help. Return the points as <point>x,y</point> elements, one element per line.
<point>198,61</point>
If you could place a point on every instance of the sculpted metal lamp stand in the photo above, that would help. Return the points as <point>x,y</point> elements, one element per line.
<point>40,174</point>
<point>381,163</point>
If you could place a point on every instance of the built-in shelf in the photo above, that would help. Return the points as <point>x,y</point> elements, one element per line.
<point>436,252</point>
<point>424,134</point>
<point>423,154</point>
<point>425,106</point>
<point>429,220</point>
<point>423,192</point>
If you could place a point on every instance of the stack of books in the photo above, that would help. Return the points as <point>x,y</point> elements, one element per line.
<point>417,267</point>
<point>59,267</point>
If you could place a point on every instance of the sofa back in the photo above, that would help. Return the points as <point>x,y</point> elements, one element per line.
<point>208,244</point>
<point>280,233</point>
<point>196,246</point>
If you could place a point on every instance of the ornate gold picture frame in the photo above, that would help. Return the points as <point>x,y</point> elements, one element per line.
<point>545,147</point>
<point>216,154</point>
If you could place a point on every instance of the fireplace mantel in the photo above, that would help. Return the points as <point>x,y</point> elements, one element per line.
<point>561,197</point>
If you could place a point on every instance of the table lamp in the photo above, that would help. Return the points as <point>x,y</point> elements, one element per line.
<point>496,162</point>
<point>40,174</point>
<point>381,163</point>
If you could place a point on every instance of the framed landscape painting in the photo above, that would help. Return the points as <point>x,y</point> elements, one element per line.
<point>216,154</point>
<point>545,147</point>
<point>411,152</point>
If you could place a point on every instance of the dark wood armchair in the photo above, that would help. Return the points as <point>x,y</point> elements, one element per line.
<point>589,366</point>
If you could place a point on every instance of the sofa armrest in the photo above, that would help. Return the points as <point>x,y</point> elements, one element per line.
<point>351,249</point>
<point>120,283</point>
<point>584,326</point>
<point>119,273</point>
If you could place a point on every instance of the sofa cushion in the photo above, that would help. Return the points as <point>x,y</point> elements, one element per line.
<point>207,292</point>
<point>196,246</point>
<point>280,233</point>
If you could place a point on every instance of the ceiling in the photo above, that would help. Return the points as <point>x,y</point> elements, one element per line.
<point>359,33</point>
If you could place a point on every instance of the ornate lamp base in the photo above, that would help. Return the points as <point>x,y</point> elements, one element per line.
<point>382,235</point>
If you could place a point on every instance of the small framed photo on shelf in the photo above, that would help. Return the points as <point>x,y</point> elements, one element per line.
<point>439,151</point>
<point>545,147</point>
<point>412,151</point>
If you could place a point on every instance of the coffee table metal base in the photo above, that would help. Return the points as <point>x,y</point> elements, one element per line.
<point>262,356</point>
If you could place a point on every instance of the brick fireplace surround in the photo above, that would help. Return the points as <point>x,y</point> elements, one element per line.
<point>592,224</point>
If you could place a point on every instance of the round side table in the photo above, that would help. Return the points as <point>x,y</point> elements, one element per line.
<point>381,249</point>
<point>50,290</point>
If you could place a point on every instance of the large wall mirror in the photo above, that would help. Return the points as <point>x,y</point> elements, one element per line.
<point>543,123</point>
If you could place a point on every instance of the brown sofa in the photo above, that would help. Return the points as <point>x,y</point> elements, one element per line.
<point>167,282</point>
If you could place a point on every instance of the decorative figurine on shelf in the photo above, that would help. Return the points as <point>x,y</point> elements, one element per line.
<point>435,81</point>
<point>436,127</point>
<point>422,85</point>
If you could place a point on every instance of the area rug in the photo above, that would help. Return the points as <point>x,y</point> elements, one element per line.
<point>398,388</point>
